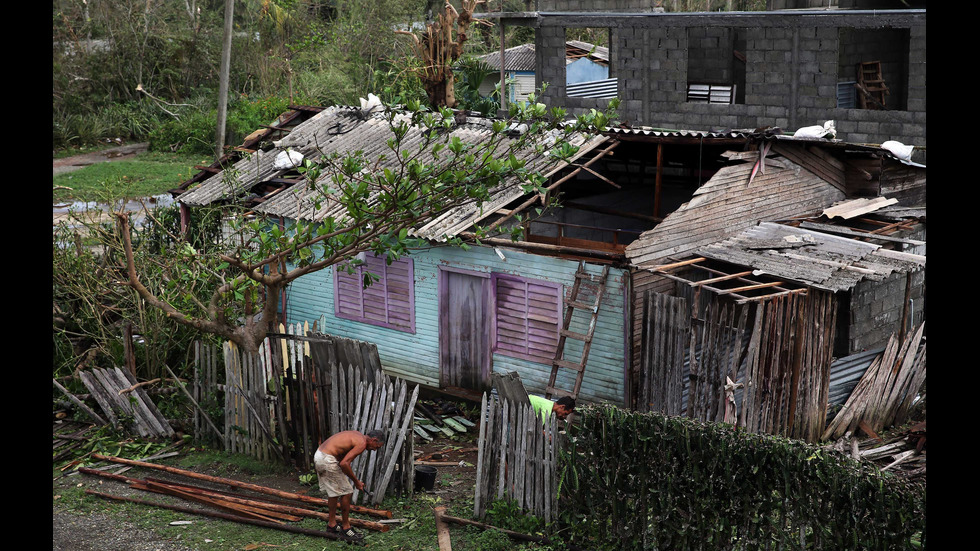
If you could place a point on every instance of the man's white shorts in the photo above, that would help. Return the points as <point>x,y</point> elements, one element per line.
<point>332,480</point>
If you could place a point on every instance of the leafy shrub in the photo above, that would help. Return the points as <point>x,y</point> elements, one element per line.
<point>633,480</point>
<point>194,132</point>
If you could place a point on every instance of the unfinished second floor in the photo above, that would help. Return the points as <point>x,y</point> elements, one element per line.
<point>864,69</point>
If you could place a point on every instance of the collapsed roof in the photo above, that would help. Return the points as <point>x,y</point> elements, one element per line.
<point>343,130</point>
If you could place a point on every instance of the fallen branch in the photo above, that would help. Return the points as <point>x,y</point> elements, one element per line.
<point>138,385</point>
<point>139,88</point>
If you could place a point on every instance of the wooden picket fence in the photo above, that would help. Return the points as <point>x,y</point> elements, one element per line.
<point>517,458</point>
<point>283,402</point>
<point>764,366</point>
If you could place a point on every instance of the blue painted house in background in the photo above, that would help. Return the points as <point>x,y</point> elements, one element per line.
<point>444,316</point>
<point>447,282</point>
<point>585,63</point>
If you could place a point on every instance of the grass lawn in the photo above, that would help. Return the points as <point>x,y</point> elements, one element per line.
<point>146,175</point>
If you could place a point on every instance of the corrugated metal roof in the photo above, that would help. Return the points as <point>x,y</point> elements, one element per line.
<point>663,133</point>
<point>599,53</point>
<point>809,257</point>
<point>518,58</point>
<point>321,129</point>
<point>341,130</point>
<point>521,58</point>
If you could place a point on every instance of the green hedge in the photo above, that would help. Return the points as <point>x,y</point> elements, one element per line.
<point>633,480</point>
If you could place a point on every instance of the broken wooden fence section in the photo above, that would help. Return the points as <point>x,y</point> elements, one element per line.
<point>291,396</point>
<point>517,458</point>
<point>123,402</point>
<point>886,392</point>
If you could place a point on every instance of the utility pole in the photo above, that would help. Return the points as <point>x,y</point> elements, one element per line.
<point>223,79</point>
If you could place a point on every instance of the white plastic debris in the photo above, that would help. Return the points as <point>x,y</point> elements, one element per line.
<point>898,149</point>
<point>287,159</point>
<point>370,104</point>
<point>828,130</point>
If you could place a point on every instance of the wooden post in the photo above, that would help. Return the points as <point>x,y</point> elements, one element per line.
<point>503,77</point>
<point>659,180</point>
<point>225,516</point>
<point>79,403</point>
<point>442,530</point>
<point>129,357</point>
<point>905,306</point>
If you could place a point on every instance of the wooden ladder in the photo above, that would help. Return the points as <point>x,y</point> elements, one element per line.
<point>871,85</point>
<point>564,333</point>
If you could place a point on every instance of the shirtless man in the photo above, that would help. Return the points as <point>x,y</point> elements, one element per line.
<point>333,470</point>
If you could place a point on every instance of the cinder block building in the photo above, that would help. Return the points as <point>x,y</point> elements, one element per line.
<point>713,71</point>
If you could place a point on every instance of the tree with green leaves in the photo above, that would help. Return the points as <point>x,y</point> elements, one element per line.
<point>371,206</point>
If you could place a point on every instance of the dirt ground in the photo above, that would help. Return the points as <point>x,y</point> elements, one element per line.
<point>100,531</point>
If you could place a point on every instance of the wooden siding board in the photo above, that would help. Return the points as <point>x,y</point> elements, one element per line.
<point>726,204</point>
<point>415,357</point>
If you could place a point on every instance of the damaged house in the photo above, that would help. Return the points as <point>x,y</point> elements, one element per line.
<point>735,222</point>
<point>720,274</point>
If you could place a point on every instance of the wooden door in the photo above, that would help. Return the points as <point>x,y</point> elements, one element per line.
<point>464,329</point>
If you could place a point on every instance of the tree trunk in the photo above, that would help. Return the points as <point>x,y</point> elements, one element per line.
<point>223,79</point>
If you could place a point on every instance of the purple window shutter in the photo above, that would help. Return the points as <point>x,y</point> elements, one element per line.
<point>388,302</point>
<point>528,313</point>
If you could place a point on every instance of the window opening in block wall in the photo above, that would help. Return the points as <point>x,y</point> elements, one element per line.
<point>872,69</point>
<point>715,65</point>
<point>588,63</point>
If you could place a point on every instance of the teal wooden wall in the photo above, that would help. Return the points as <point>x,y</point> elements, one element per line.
<point>416,356</point>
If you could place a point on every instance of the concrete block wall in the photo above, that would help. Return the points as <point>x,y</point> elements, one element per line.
<point>876,309</point>
<point>709,57</point>
<point>791,71</point>
<point>596,5</point>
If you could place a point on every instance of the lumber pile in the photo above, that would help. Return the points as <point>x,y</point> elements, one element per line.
<point>249,504</point>
<point>884,395</point>
<point>902,453</point>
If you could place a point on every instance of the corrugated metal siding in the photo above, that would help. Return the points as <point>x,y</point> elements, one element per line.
<point>416,357</point>
<point>608,88</point>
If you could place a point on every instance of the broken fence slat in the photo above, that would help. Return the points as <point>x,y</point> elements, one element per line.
<point>402,435</point>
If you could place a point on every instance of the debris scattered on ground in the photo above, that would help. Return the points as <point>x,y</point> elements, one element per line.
<point>433,418</point>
